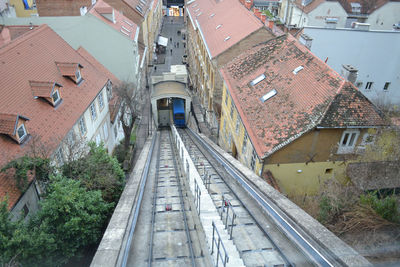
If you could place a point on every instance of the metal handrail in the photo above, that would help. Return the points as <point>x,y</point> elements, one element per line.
<point>219,254</point>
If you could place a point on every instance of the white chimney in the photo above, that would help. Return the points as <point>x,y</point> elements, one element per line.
<point>306,40</point>
<point>361,26</point>
<point>349,73</point>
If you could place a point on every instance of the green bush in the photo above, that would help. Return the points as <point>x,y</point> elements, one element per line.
<point>386,207</point>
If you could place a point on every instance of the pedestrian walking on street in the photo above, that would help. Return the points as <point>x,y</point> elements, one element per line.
<point>170,39</point>
<point>171,51</point>
<point>177,44</point>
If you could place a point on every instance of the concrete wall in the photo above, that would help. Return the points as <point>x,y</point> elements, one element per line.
<point>375,54</point>
<point>325,10</point>
<point>384,17</point>
<point>31,199</point>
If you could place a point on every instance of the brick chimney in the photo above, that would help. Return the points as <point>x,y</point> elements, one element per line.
<point>257,12</point>
<point>263,17</point>
<point>349,73</point>
<point>248,4</point>
<point>270,24</point>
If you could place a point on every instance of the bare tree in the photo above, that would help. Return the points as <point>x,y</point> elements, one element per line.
<point>131,101</point>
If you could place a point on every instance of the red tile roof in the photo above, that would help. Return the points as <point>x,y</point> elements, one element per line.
<point>42,89</point>
<point>302,99</point>
<point>310,7</point>
<point>8,123</point>
<point>33,57</point>
<point>67,68</point>
<point>236,23</point>
<point>121,23</point>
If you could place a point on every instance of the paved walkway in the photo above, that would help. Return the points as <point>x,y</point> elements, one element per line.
<point>174,51</point>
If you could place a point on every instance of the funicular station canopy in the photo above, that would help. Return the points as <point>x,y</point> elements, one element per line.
<point>162,96</point>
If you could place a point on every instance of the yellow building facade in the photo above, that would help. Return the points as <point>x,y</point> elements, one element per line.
<point>24,8</point>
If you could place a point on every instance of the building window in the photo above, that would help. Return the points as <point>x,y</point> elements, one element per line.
<point>109,90</point>
<point>93,112</point>
<point>105,130</point>
<point>386,86</point>
<point>82,125</point>
<point>244,143</point>
<point>56,96</point>
<point>253,160</point>
<point>25,209</point>
<point>237,125</point>
<point>116,131</point>
<point>59,157</point>
<point>101,101</point>
<point>224,128</point>
<point>21,132</point>
<point>348,141</point>
<point>368,86</point>
<point>231,109</point>
<point>78,75</point>
<point>98,139</point>
<point>226,98</point>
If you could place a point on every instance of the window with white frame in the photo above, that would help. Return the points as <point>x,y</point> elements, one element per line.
<point>105,130</point>
<point>98,139</point>
<point>60,157</point>
<point>78,75</point>
<point>93,112</point>
<point>56,97</point>
<point>386,86</point>
<point>237,124</point>
<point>244,143</point>
<point>368,85</point>
<point>348,141</point>
<point>101,100</point>
<point>253,160</point>
<point>21,132</point>
<point>116,131</point>
<point>82,126</point>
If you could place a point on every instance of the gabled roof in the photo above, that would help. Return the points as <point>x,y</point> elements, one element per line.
<point>8,123</point>
<point>310,7</point>
<point>367,6</point>
<point>306,88</point>
<point>351,108</point>
<point>42,89</point>
<point>32,57</point>
<point>222,24</point>
<point>67,68</point>
<point>121,23</point>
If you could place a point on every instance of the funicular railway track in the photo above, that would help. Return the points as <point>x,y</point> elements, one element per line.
<point>166,234</point>
<point>261,236</point>
<point>255,245</point>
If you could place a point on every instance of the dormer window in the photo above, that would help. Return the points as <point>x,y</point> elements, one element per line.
<point>21,132</point>
<point>49,91</point>
<point>71,70</point>
<point>107,12</point>
<point>13,125</point>
<point>78,75</point>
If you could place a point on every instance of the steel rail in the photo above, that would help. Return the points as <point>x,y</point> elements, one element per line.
<point>266,234</point>
<point>182,204</point>
<point>139,202</point>
<point>272,211</point>
<point>153,210</point>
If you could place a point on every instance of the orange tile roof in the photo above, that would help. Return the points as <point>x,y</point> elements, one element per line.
<point>42,89</point>
<point>67,68</point>
<point>236,23</point>
<point>8,123</point>
<point>302,99</point>
<point>122,23</point>
<point>33,57</point>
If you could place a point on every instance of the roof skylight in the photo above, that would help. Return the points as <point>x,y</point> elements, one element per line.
<point>296,70</point>
<point>227,38</point>
<point>257,80</point>
<point>212,15</point>
<point>219,26</point>
<point>268,95</point>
